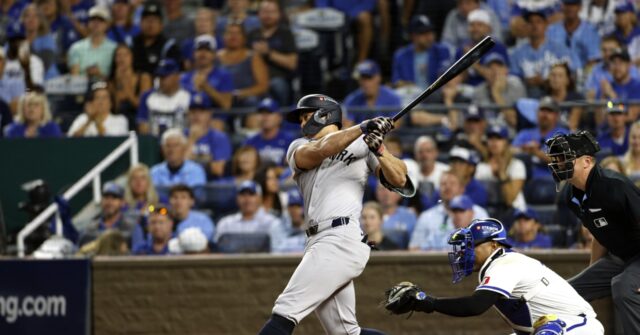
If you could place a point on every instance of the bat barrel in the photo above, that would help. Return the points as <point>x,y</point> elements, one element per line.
<point>458,67</point>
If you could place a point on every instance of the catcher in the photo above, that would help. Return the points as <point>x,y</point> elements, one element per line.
<point>521,288</point>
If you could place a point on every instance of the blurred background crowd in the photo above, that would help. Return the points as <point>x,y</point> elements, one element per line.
<point>210,79</point>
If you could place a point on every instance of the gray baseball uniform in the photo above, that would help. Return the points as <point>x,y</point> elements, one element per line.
<point>335,255</point>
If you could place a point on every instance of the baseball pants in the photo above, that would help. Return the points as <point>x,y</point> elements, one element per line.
<point>323,281</point>
<point>611,277</point>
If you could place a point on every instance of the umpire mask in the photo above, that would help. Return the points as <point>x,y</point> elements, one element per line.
<point>563,150</point>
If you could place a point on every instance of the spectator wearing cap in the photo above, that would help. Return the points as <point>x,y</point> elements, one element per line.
<point>41,42</point>
<point>97,119</point>
<point>502,168</point>
<point>288,236</point>
<point>237,11</point>
<point>127,84</point>
<point>463,163</point>
<point>249,71</point>
<point>361,12</point>
<point>456,30</point>
<point>182,200</point>
<point>395,216</point>
<point>371,93</point>
<point>580,36</point>
<point>151,46</point>
<point>615,139</point>
<point>179,27</point>
<point>92,56</point>
<point>10,11</point>
<point>62,28</point>
<point>626,27</point>
<point>532,59</point>
<point>160,227</point>
<point>176,168</point>
<point>165,106</point>
<point>602,70</point>
<point>33,119</point>
<point>275,43</point>
<point>123,29</point>
<point>421,62</point>
<point>110,217</point>
<point>208,146</point>
<point>622,87</point>
<point>371,222</point>
<point>532,140</point>
<point>436,224</point>
<point>479,26</point>
<point>206,77</point>
<point>251,218</point>
<point>272,142</point>
<point>561,87</point>
<point>204,23</point>
<point>22,68</point>
<point>500,88</point>
<point>473,129</point>
<point>526,231</point>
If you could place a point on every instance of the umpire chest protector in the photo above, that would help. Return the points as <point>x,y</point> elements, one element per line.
<point>610,209</point>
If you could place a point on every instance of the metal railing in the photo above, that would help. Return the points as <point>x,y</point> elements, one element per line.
<point>93,176</point>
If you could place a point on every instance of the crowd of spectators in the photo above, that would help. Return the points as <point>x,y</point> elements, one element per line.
<point>210,80</point>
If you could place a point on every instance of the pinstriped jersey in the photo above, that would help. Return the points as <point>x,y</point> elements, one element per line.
<point>334,188</point>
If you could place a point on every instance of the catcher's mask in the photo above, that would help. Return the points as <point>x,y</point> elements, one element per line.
<point>563,150</point>
<point>326,111</point>
<point>464,240</point>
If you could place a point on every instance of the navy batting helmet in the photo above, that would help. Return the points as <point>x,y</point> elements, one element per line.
<point>463,240</point>
<point>326,111</point>
<point>563,149</point>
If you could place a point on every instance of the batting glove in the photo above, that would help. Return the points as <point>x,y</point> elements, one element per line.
<point>374,142</point>
<point>382,125</point>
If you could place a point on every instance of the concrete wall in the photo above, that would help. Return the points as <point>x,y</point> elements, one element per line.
<point>216,294</point>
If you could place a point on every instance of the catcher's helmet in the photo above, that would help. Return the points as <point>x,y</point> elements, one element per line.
<point>563,149</point>
<point>463,240</point>
<point>326,111</point>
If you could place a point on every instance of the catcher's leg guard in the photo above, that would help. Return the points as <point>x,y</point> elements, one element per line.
<point>277,325</point>
<point>549,325</point>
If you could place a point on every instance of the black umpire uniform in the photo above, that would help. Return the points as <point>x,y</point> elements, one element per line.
<point>609,208</point>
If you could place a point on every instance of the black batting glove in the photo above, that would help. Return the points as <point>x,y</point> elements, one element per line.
<point>374,142</point>
<point>382,125</point>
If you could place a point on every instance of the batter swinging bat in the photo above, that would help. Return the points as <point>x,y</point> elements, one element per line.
<point>462,64</point>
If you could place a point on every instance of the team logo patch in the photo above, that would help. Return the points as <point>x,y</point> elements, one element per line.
<point>600,222</point>
<point>486,280</point>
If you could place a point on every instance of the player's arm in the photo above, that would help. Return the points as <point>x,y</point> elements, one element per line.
<point>597,251</point>
<point>311,155</point>
<point>473,305</point>
<point>392,169</point>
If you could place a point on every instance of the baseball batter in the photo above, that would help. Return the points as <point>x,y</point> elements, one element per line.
<point>520,288</point>
<point>331,167</point>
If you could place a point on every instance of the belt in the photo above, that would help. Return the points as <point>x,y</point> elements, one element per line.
<point>335,223</point>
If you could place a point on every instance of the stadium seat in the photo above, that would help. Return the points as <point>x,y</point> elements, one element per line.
<point>218,197</point>
<point>399,237</point>
<point>558,234</point>
<point>244,243</point>
<point>540,191</point>
<point>494,194</point>
<point>546,213</point>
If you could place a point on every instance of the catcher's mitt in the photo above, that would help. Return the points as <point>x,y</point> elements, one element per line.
<point>402,298</point>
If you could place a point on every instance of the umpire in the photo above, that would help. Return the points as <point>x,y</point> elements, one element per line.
<point>608,204</point>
